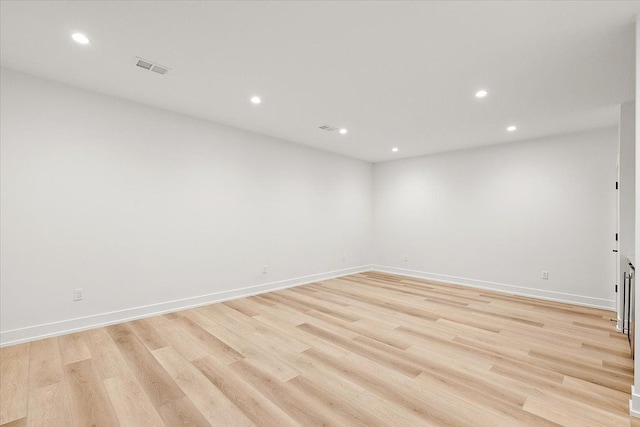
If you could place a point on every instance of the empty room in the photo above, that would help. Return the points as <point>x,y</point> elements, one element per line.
<point>336,213</point>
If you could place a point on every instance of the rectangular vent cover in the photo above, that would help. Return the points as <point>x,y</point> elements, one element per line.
<point>144,64</point>
<point>159,70</point>
<point>151,66</point>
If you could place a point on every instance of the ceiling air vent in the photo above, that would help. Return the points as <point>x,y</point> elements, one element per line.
<point>144,64</point>
<point>159,70</point>
<point>327,127</point>
<point>148,65</point>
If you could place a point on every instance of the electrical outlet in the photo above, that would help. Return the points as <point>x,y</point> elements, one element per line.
<point>77,294</point>
<point>545,275</point>
<point>405,258</point>
<point>264,269</point>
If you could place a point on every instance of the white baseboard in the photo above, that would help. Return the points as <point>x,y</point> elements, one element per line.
<point>634,403</point>
<point>30,333</point>
<point>502,287</point>
<point>45,330</point>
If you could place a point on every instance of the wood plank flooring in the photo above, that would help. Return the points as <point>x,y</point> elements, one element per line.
<point>364,350</point>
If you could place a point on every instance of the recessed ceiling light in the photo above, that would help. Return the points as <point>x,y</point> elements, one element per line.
<point>80,38</point>
<point>511,128</point>
<point>394,149</point>
<point>343,131</point>
<point>481,93</point>
<point>256,99</point>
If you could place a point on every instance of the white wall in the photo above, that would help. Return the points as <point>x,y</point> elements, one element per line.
<point>498,216</point>
<point>634,402</point>
<point>626,194</point>
<point>148,210</point>
<point>151,211</point>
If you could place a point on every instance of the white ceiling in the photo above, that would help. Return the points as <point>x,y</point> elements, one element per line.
<point>394,73</point>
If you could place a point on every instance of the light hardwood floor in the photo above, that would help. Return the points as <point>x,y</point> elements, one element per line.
<point>363,350</point>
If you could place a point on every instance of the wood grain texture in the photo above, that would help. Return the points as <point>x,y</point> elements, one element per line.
<point>209,400</point>
<point>73,348</point>
<point>157,383</point>
<point>369,349</point>
<point>90,405</point>
<point>49,406</point>
<point>130,403</point>
<point>14,380</point>
<point>48,397</point>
